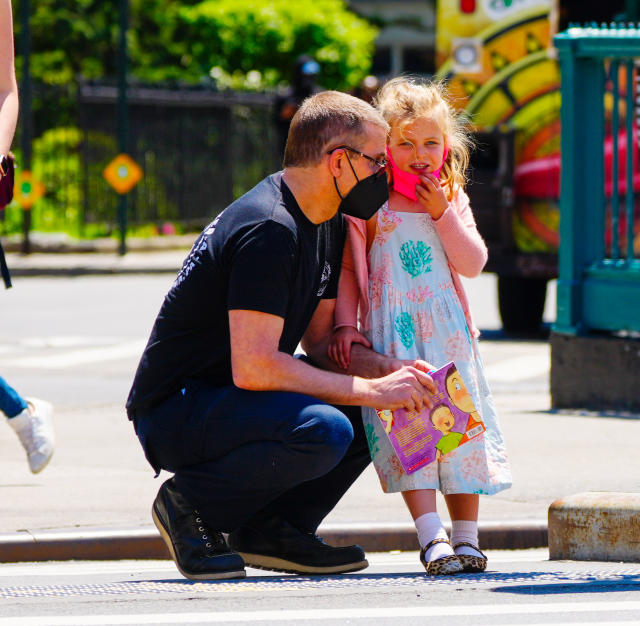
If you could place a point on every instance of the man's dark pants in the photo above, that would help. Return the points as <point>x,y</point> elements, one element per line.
<point>239,456</point>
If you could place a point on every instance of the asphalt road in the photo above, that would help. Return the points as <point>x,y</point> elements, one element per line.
<point>518,588</point>
<point>77,340</point>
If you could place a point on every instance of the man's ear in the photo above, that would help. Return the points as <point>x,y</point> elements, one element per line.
<point>337,161</point>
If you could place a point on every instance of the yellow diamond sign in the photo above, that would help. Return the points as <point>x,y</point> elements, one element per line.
<point>123,173</point>
<point>27,189</point>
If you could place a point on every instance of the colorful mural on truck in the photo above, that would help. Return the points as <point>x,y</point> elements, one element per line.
<point>498,59</point>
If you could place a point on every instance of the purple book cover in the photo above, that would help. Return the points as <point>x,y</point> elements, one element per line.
<point>420,438</point>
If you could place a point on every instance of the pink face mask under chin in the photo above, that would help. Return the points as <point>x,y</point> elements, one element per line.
<point>405,182</point>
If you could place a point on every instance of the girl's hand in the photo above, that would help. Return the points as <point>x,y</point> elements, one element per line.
<point>431,196</point>
<point>339,349</point>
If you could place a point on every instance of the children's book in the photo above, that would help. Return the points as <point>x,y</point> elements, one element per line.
<point>420,438</point>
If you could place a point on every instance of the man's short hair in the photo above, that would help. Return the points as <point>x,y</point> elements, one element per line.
<point>326,120</point>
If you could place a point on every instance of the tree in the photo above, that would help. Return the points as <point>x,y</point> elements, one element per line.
<point>239,43</point>
<point>257,41</point>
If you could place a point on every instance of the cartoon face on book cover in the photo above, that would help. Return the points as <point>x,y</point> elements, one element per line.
<point>420,438</point>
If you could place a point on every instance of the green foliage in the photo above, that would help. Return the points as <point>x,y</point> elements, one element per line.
<point>69,39</point>
<point>57,163</point>
<point>242,44</point>
<point>239,44</point>
<point>254,43</point>
<point>80,38</point>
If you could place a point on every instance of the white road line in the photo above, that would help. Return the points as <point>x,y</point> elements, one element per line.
<point>82,357</point>
<point>589,623</point>
<point>296,616</point>
<point>67,341</point>
<point>507,370</point>
<point>84,568</point>
<point>518,368</point>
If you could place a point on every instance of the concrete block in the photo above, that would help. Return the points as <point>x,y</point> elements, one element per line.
<point>597,372</point>
<point>595,526</point>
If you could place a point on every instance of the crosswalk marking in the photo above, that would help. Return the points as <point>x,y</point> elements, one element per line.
<point>342,614</point>
<point>72,358</point>
<point>57,353</point>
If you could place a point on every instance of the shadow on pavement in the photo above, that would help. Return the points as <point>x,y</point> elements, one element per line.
<point>620,583</point>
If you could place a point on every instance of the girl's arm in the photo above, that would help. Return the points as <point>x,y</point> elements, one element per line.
<point>460,238</point>
<point>345,330</point>
<point>346,313</point>
<point>8,85</point>
<point>372,224</point>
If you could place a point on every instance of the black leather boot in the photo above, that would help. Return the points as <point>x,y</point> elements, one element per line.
<point>277,545</point>
<point>199,553</point>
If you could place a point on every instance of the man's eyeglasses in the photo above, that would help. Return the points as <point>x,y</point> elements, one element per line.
<point>380,164</point>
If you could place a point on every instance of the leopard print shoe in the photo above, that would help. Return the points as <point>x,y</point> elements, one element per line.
<point>444,566</point>
<point>470,562</point>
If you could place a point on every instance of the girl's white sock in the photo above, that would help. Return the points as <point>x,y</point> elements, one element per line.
<point>430,527</point>
<point>465,530</point>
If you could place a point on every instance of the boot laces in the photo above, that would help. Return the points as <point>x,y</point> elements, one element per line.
<point>210,538</point>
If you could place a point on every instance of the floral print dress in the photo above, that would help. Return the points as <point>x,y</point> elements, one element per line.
<point>416,314</point>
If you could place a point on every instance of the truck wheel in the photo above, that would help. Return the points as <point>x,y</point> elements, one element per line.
<point>521,303</point>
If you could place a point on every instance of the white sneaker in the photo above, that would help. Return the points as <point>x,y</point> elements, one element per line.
<point>34,428</point>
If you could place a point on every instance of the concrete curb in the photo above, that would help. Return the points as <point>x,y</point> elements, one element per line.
<point>88,270</point>
<point>146,543</point>
<point>60,244</point>
<point>595,526</point>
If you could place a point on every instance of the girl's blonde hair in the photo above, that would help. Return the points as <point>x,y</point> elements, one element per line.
<point>404,99</point>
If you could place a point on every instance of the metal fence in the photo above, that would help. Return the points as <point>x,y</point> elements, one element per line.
<point>599,262</point>
<point>198,149</point>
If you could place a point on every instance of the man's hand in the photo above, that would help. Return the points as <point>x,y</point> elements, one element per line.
<point>425,366</point>
<point>339,349</point>
<point>387,364</point>
<point>408,387</point>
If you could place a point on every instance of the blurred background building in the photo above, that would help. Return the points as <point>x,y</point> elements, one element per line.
<point>406,42</point>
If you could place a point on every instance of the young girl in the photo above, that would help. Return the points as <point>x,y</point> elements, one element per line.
<point>401,271</point>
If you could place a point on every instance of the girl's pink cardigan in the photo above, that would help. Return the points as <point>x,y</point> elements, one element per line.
<point>465,248</point>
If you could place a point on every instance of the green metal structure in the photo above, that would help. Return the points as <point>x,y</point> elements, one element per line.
<point>599,271</point>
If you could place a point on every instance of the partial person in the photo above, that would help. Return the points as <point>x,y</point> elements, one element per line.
<point>367,89</point>
<point>304,83</point>
<point>29,418</point>
<point>401,272</point>
<point>262,444</point>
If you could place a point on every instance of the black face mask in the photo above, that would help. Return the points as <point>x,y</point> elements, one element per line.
<point>366,196</point>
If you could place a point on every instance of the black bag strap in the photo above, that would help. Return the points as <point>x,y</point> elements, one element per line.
<point>4,269</point>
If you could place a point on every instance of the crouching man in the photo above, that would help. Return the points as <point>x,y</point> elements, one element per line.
<point>262,445</point>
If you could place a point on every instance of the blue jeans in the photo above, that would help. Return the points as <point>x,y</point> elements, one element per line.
<point>239,454</point>
<point>11,403</point>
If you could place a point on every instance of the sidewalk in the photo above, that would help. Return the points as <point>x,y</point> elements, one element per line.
<point>93,501</point>
<point>53,256</point>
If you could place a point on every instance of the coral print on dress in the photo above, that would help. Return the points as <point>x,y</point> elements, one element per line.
<point>415,257</point>
<point>387,224</point>
<point>419,294</point>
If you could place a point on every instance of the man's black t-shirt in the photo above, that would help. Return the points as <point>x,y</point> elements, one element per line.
<point>260,254</point>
